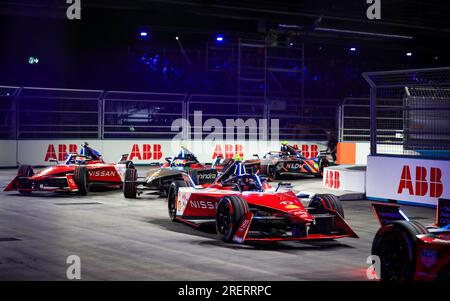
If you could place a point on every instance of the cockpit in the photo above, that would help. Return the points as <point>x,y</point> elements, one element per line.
<point>86,155</point>
<point>237,178</point>
<point>183,158</point>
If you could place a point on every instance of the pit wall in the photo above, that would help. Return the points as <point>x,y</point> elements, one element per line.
<point>141,151</point>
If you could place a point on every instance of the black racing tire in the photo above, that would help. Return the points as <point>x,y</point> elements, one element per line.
<point>322,164</point>
<point>396,246</point>
<point>327,201</point>
<point>129,164</point>
<point>25,171</point>
<point>80,176</point>
<point>129,183</point>
<point>172,198</point>
<point>230,211</point>
<point>444,273</point>
<point>271,172</point>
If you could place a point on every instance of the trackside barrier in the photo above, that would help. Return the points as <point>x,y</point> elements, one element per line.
<point>414,166</point>
<point>141,151</point>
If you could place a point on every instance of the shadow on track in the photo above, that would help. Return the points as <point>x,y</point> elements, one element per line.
<point>208,231</point>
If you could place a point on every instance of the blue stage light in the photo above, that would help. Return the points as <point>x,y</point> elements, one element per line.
<point>409,54</point>
<point>353,49</point>
<point>143,34</point>
<point>219,38</point>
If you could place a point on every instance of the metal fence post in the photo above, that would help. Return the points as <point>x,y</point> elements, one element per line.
<point>101,114</point>
<point>16,109</point>
<point>373,121</point>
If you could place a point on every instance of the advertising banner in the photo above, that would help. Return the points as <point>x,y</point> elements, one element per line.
<point>418,181</point>
<point>140,151</point>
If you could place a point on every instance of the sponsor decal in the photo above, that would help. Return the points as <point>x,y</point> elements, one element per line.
<point>292,165</point>
<point>207,176</point>
<point>71,182</point>
<point>149,152</point>
<point>332,179</point>
<point>102,173</point>
<point>424,183</point>
<point>443,213</point>
<point>228,152</point>
<point>292,207</point>
<point>428,257</point>
<point>63,150</point>
<point>239,237</point>
<point>210,205</point>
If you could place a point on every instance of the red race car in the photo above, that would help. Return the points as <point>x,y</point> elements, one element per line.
<point>407,249</point>
<point>244,208</point>
<point>77,174</point>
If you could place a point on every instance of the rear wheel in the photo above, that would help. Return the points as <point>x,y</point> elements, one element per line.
<point>80,176</point>
<point>230,211</point>
<point>172,198</point>
<point>396,246</point>
<point>129,183</point>
<point>327,201</point>
<point>322,164</point>
<point>129,164</point>
<point>24,186</point>
<point>271,172</point>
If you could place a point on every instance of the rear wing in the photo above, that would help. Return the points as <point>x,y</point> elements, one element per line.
<point>443,213</point>
<point>387,213</point>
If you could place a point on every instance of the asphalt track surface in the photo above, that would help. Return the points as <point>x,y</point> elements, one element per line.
<point>120,239</point>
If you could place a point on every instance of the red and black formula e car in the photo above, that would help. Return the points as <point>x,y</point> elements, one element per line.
<point>159,177</point>
<point>289,162</point>
<point>409,250</point>
<point>77,174</point>
<point>244,208</point>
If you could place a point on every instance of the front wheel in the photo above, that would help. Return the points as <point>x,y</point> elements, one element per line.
<point>327,201</point>
<point>80,176</point>
<point>396,246</point>
<point>230,211</point>
<point>129,183</point>
<point>24,172</point>
<point>172,198</point>
<point>322,164</point>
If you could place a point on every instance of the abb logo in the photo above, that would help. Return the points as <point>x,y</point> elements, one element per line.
<point>309,151</point>
<point>63,149</point>
<point>421,185</point>
<point>332,179</point>
<point>147,152</point>
<point>230,151</point>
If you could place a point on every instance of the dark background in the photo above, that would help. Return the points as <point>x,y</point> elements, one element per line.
<point>103,50</point>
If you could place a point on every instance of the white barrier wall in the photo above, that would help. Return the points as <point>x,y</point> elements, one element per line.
<point>409,180</point>
<point>40,152</point>
<point>344,179</point>
<point>8,153</point>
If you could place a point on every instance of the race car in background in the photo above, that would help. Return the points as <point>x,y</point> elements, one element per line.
<point>245,208</point>
<point>288,162</point>
<point>78,173</point>
<point>409,250</point>
<point>159,177</point>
